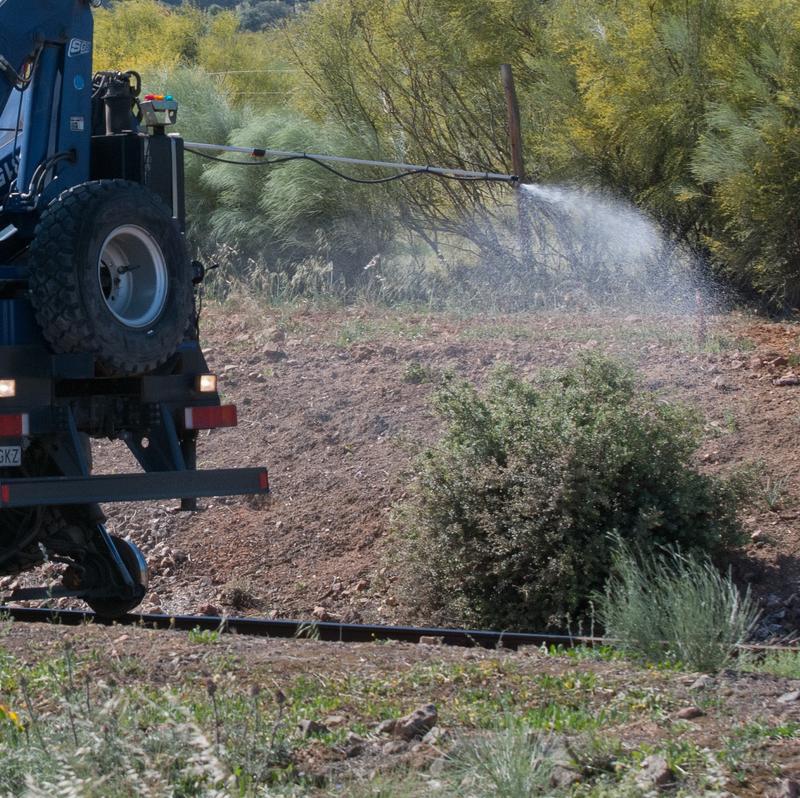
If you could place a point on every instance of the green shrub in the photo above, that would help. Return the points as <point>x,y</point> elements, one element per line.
<point>509,522</point>
<point>675,608</point>
<point>510,762</point>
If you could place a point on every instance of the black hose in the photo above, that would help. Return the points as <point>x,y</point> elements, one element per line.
<point>349,178</point>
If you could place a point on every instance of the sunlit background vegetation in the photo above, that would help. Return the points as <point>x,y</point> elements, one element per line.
<point>687,109</point>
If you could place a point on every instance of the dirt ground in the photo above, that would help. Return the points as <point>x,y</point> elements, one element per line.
<point>740,722</point>
<point>336,403</point>
<point>333,403</point>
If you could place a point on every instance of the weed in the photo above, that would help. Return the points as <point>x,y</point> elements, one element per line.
<point>740,751</point>
<point>493,331</point>
<point>206,637</point>
<point>675,607</point>
<point>716,343</point>
<point>307,631</point>
<point>70,734</point>
<point>353,331</point>
<point>773,491</point>
<point>777,663</point>
<point>508,524</point>
<point>239,595</point>
<point>508,763</point>
<point>416,373</point>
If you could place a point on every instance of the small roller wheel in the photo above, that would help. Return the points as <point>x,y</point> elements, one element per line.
<point>133,559</point>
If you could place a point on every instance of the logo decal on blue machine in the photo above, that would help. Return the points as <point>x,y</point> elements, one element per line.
<point>79,83</point>
<point>79,47</point>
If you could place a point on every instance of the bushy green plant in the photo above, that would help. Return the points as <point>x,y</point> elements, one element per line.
<point>512,762</point>
<point>290,213</point>
<point>675,607</point>
<point>509,522</point>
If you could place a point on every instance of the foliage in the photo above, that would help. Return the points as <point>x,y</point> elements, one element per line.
<point>675,607</point>
<point>687,109</point>
<point>513,761</point>
<point>785,664</point>
<point>292,212</point>
<point>71,735</point>
<point>510,519</point>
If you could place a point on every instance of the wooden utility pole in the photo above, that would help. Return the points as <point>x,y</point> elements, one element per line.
<point>517,155</point>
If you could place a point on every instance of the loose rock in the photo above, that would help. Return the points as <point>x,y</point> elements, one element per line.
<point>788,788</point>
<point>655,772</point>
<point>703,682</point>
<point>417,724</point>
<point>434,736</point>
<point>689,713</point>
<point>394,747</point>
<point>789,698</point>
<point>562,777</point>
<point>386,726</point>
<point>310,728</point>
<point>322,614</point>
<point>269,355</point>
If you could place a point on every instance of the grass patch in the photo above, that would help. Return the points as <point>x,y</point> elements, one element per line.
<point>64,732</point>
<point>676,608</point>
<point>511,762</point>
<point>785,664</point>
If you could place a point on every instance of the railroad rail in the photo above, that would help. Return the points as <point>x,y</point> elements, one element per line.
<point>319,630</point>
<point>329,631</point>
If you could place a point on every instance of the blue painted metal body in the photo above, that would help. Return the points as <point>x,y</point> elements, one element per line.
<point>48,42</point>
<point>45,119</point>
<point>18,325</point>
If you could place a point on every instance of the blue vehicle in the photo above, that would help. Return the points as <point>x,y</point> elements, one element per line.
<point>98,324</point>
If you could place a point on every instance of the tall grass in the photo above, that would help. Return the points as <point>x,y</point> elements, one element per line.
<point>513,762</point>
<point>675,607</point>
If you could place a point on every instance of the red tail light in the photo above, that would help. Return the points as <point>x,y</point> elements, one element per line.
<point>210,417</point>
<point>14,426</point>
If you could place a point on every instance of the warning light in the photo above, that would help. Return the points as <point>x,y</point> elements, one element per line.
<point>206,383</point>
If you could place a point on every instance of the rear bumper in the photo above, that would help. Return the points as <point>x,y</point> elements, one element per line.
<point>152,486</point>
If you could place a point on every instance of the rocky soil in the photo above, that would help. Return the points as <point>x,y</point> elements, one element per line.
<point>336,403</point>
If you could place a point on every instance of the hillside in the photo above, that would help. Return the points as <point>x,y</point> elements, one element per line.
<point>335,402</point>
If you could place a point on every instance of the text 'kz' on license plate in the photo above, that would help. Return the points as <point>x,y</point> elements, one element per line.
<point>10,456</point>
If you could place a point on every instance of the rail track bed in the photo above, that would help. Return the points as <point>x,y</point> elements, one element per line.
<point>325,631</point>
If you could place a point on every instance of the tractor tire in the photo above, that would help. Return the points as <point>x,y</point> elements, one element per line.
<point>110,276</point>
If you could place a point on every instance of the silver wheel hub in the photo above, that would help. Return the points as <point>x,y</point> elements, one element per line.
<point>132,273</point>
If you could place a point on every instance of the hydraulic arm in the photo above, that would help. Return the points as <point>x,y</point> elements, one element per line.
<point>46,49</point>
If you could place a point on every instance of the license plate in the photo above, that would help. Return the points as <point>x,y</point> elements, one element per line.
<point>10,456</point>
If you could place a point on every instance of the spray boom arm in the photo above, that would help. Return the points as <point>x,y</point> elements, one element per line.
<point>270,157</point>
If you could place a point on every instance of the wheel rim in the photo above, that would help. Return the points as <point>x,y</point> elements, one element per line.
<point>132,273</point>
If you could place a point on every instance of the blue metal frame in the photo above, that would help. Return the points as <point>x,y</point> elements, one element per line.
<point>57,35</point>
